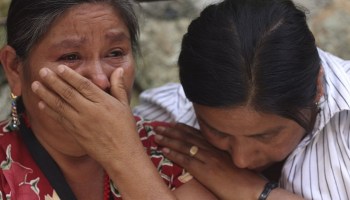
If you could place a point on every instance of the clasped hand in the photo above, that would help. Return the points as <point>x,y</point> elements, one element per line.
<point>210,166</point>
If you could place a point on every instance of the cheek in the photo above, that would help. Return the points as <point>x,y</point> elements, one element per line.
<point>27,76</point>
<point>280,154</point>
<point>285,148</point>
<point>129,77</point>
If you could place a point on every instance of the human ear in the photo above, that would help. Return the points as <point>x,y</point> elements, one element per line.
<point>11,66</point>
<point>320,90</point>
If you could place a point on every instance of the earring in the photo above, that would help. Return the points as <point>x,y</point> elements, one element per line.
<point>14,114</point>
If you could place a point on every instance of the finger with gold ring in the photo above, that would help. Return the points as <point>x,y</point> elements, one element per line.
<point>193,150</point>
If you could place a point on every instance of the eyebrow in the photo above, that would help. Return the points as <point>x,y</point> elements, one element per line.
<point>69,43</point>
<point>116,36</point>
<point>272,130</point>
<point>76,42</point>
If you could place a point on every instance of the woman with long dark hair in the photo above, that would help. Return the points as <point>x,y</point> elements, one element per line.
<point>267,102</point>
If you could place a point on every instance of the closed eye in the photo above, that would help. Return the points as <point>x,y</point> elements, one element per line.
<point>218,134</point>
<point>265,136</point>
<point>71,57</point>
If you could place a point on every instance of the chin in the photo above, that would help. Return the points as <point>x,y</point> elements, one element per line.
<point>71,149</point>
<point>76,152</point>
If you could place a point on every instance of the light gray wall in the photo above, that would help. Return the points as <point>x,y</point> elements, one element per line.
<point>164,23</point>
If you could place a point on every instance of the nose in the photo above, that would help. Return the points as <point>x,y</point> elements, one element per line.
<point>101,80</point>
<point>242,156</point>
<point>98,74</point>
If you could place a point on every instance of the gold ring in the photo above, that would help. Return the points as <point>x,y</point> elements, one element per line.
<point>193,150</point>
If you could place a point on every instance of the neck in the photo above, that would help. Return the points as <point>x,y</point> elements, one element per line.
<point>84,175</point>
<point>64,150</point>
<point>79,169</point>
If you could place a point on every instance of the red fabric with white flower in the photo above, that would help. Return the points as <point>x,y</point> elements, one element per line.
<point>22,179</point>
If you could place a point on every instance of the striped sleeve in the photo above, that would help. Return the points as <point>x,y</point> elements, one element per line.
<point>319,167</point>
<point>167,103</point>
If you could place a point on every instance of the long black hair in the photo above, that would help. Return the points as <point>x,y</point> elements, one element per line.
<point>257,53</point>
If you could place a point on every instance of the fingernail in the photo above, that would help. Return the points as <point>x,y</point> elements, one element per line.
<point>121,72</point>
<point>166,150</point>
<point>35,86</point>
<point>160,128</point>
<point>43,72</point>
<point>158,137</point>
<point>41,105</point>
<point>60,69</point>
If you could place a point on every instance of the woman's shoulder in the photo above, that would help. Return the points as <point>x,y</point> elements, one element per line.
<point>10,141</point>
<point>164,97</point>
<point>166,103</point>
<point>331,61</point>
<point>7,134</point>
<point>146,131</point>
<point>169,171</point>
<point>20,176</point>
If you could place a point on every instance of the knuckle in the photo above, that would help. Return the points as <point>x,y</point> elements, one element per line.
<point>175,131</point>
<point>84,85</point>
<point>176,144</point>
<point>168,131</point>
<point>165,140</point>
<point>59,105</point>
<point>59,118</point>
<point>68,93</point>
<point>185,160</point>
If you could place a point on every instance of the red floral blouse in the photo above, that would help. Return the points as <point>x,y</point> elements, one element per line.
<point>21,177</point>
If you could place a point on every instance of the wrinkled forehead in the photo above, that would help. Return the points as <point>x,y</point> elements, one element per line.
<point>91,13</point>
<point>86,19</point>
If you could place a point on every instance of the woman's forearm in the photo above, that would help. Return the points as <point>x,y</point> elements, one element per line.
<point>137,178</point>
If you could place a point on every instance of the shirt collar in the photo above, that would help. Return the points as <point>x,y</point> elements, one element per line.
<point>336,96</point>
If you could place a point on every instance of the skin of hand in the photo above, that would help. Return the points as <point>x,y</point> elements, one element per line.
<point>212,167</point>
<point>83,118</point>
<point>76,111</point>
<point>86,112</point>
<point>84,115</point>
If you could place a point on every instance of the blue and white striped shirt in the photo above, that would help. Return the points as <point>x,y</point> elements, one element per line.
<point>319,167</point>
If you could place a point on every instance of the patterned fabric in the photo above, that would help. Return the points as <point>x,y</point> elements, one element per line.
<point>21,178</point>
<point>319,168</point>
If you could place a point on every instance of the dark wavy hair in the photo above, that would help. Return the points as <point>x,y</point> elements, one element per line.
<point>257,53</point>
